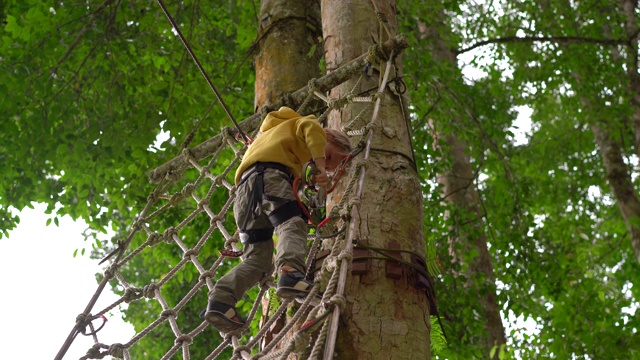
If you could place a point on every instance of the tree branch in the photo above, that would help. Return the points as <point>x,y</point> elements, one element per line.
<point>555,39</point>
<point>82,32</point>
<point>296,98</point>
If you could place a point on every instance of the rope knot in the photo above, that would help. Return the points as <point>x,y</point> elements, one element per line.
<point>344,213</point>
<point>153,197</point>
<point>172,176</point>
<point>168,234</point>
<point>349,98</point>
<point>94,352</point>
<point>337,103</point>
<point>138,223</point>
<point>117,350</point>
<point>373,54</point>
<point>338,300</point>
<point>206,274</point>
<point>168,312</point>
<point>153,239</point>
<point>189,253</point>
<point>371,126</point>
<point>184,339</point>
<point>240,349</point>
<point>330,263</point>
<point>175,199</point>
<point>364,163</point>
<point>187,154</point>
<point>83,319</point>
<point>345,255</point>
<point>202,203</point>
<point>131,294</point>
<point>218,180</point>
<point>149,291</point>
<point>214,220</point>
<point>110,271</point>
<point>313,85</point>
<point>187,190</point>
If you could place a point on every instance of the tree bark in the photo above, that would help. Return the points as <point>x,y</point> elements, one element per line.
<point>459,190</point>
<point>289,48</point>
<point>385,317</point>
<point>285,61</point>
<point>621,185</point>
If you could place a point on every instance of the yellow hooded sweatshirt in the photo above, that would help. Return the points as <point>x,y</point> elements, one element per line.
<point>285,138</point>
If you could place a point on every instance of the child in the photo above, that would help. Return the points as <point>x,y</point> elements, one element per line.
<point>265,202</point>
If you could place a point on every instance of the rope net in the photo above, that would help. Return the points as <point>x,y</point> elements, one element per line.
<point>311,326</point>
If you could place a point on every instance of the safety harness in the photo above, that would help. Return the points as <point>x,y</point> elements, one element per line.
<point>291,208</point>
<point>254,206</point>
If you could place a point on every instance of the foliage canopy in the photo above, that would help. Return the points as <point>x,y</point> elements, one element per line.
<point>92,85</point>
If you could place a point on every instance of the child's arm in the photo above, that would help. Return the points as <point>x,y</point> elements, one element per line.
<point>322,179</point>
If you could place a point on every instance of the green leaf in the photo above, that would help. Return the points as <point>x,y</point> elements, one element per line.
<point>312,51</point>
<point>492,353</point>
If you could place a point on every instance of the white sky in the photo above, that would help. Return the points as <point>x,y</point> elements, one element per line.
<point>44,288</point>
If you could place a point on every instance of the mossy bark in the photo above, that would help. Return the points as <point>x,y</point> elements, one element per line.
<point>289,43</point>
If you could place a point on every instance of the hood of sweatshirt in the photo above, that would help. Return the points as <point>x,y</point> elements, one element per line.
<point>276,118</point>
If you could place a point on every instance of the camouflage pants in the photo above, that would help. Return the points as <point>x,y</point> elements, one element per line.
<point>258,257</point>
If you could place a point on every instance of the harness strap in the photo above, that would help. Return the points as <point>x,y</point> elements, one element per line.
<point>255,198</point>
<point>285,212</point>
<point>256,235</point>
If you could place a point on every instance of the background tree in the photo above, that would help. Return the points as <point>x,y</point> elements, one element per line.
<point>90,88</point>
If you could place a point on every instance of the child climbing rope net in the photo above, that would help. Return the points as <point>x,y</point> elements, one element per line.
<point>265,201</point>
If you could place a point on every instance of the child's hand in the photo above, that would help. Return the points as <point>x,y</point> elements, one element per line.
<point>322,179</point>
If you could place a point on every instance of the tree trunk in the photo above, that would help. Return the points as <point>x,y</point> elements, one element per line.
<point>386,315</point>
<point>621,184</point>
<point>289,48</point>
<point>629,207</point>
<point>288,55</point>
<point>469,237</point>
<point>628,8</point>
<point>459,190</point>
<point>618,174</point>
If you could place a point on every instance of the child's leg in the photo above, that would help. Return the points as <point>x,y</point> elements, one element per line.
<point>292,244</point>
<point>258,256</point>
<point>280,205</point>
<point>232,286</point>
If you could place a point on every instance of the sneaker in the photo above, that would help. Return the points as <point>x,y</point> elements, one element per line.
<point>223,317</point>
<point>293,285</point>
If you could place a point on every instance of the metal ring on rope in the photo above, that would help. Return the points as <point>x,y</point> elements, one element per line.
<point>84,320</point>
